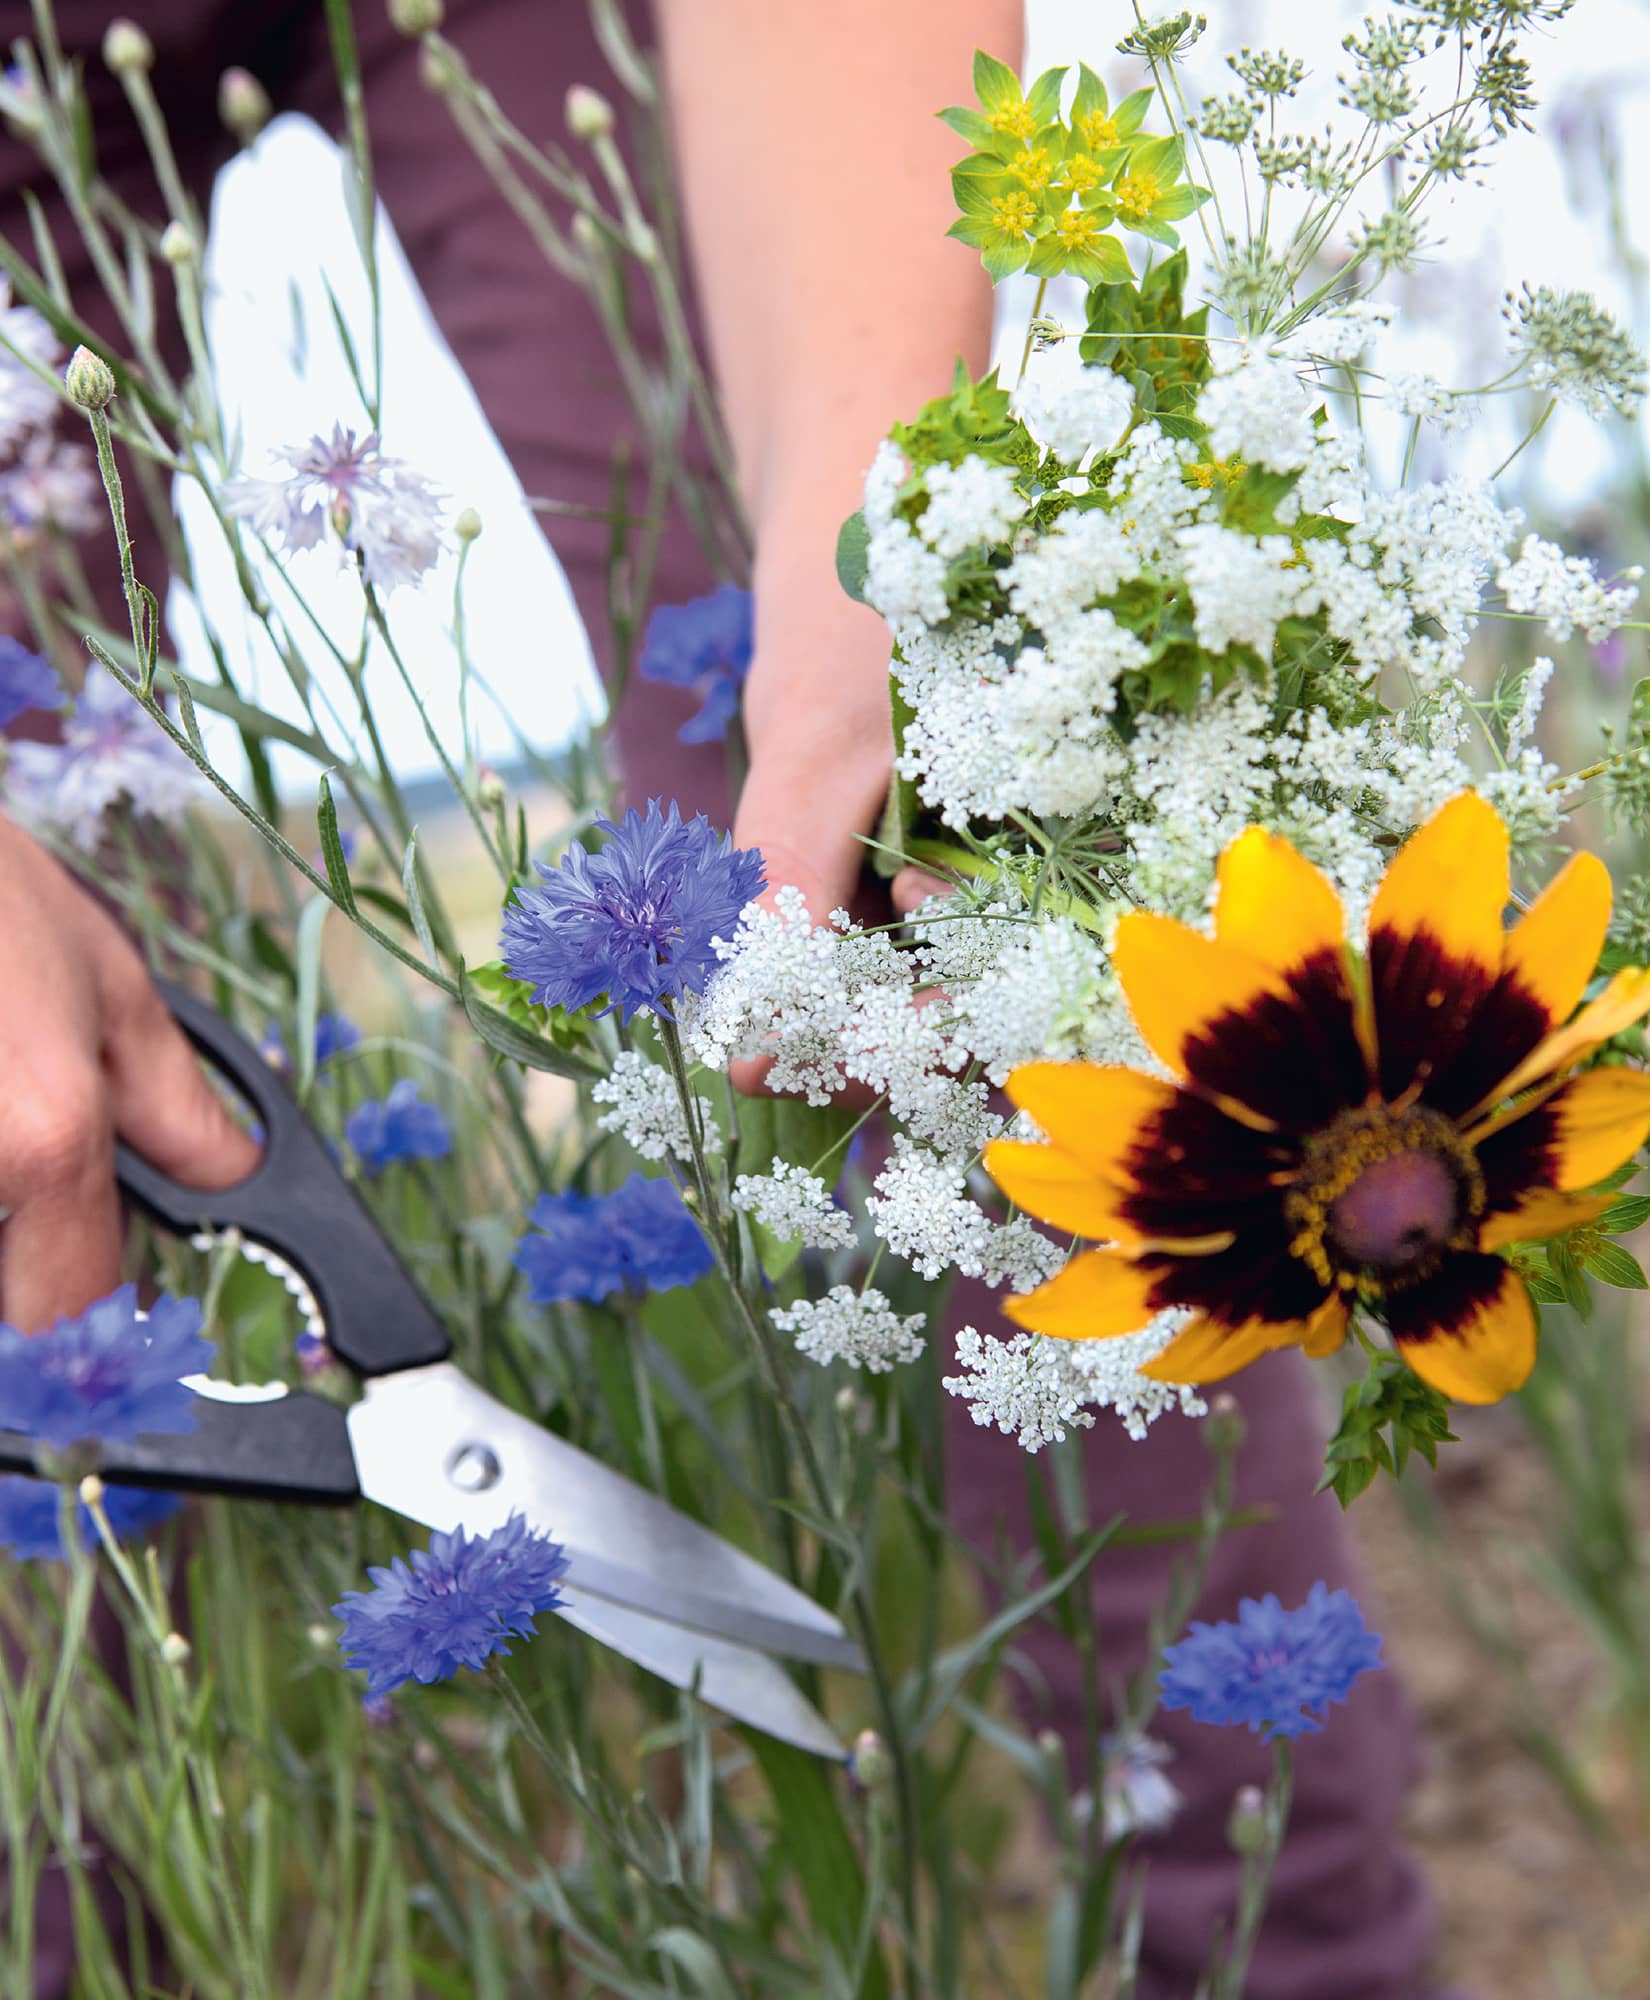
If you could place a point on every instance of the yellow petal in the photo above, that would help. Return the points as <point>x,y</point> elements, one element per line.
<point>1100,1292</point>
<point>1272,903</point>
<point>1625,1000</point>
<point>1091,1111</point>
<point>1470,1332</point>
<point>1552,951</point>
<point>1601,1119</point>
<point>1048,1183</point>
<point>1543,1213</point>
<point>1449,880</point>
<point>1325,1331</point>
<point>1205,1350</point>
<point>1179,983</point>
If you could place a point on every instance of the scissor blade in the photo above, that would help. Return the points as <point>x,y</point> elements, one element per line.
<point>744,1684</point>
<point>434,1446</point>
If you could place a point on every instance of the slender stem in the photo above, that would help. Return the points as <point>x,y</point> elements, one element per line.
<point>128,574</point>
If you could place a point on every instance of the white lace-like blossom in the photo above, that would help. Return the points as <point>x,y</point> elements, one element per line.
<point>382,513</point>
<point>860,1328</point>
<point>1035,1389</point>
<point>796,1206</point>
<point>1258,411</point>
<point>887,472</point>
<point>969,503</point>
<point>646,1110</point>
<point>1073,410</point>
<point>1532,694</point>
<point>1242,585</point>
<point>922,1211</point>
<point>1414,394</point>
<point>1341,337</point>
<point>1566,591</point>
<point>904,580</point>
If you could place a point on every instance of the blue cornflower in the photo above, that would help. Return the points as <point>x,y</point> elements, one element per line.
<point>334,1035</point>
<point>105,1374</point>
<point>401,1127</point>
<point>1272,1669</point>
<point>26,681</point>
<point>30,1520</point>
<point>704,646</point>
<point>584,1246</point>
<point>636,920</point>
<point>450,1606</point>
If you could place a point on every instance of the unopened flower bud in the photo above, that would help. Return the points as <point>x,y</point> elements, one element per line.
<point>467,524</point>
<point>869,1764</point>
<point>1046,333</point>
<point>91,1491</point>
<point>1246,1823</point>
<point>437,70</point>
<point>644,244</point>
<point>321,1635</point>
<point>175,1649</point>
<point>490,789</point>
<point>587,235</point>
<point>416,18</point>
<point>1051,1744</point>
<point>1225,1427</point>
<point>89,379</point>
<point>177,246</point>
<point>243,104</point>
<point>126,48</point>
<point>589,115</point>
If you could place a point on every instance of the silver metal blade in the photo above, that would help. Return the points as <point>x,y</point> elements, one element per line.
<point>746,1685</point>
<point>433,1445</point>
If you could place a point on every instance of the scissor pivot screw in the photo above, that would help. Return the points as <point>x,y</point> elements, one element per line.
<point>472,1468</point>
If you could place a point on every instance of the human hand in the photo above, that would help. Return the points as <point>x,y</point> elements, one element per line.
<point>88,1050</point>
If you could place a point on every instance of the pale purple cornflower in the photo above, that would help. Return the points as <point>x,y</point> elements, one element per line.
<point>111,750</point>
<point>382,512</point>
<point>27,403</point>
<point>52,483</point>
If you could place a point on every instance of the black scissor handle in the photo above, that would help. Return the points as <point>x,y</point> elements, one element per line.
<point>298,1204</point>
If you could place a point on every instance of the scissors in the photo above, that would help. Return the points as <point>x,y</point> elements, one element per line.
<point>429,1443</point>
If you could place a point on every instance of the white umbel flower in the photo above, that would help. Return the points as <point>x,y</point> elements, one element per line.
<point>969,503</point>
<point>1073,410</point>
<point>860,1328</point>
<point>646,1110</point>
<point>795,1205</point>
<point>1035,1389</point>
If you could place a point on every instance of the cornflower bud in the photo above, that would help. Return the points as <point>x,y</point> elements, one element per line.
<point>415,18</point>
<point>1225,1428</point>
<point>177,246</point>
<point>467,525</point>
<point>644,244</point>
<point>589,115</point>
<point>243,104</point>
<point>91,1491</point>
<point>126,48</point>
<point>1246,1824</point>
<point>175,1649</point>
<point>89,379</point>
<point>490,789</point>
<point>869,1764</point>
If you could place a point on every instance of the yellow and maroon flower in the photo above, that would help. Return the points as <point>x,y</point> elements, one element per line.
<point>1343,1130</point>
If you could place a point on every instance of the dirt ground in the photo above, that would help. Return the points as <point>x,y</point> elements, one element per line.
<point>1532,1907</point>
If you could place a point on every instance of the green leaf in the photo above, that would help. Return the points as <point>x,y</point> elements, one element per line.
<point>332,847</point>
<point>521,1045</point>
<point>1621,1217</point>
<point>1612,1265</point>
<point>970,125</point>
<point>415,901</point>
<point>306,951</point>
<point>815,1840</point>
<point>995,84</point>
<point>186,713</point>
<point>853,553</point>
<point>1044,95</point>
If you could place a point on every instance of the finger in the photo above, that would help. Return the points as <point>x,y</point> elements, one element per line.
<point>159,1099</point>
<point>61,1243</point>
<point>913,887</point>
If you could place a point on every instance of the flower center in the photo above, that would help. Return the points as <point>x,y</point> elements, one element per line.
<point>1137,194</point>
<point>1014,212</point>
<point>1098,129</point>
<point>1016,120</point>
<point>1381,1196</point>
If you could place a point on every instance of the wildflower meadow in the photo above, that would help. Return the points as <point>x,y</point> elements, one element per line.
<point>697,1445</point>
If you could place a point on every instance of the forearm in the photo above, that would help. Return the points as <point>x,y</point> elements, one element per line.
<point>814,175</point>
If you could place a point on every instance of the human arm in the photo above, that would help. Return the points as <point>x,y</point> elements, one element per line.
<point>814,176</point>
